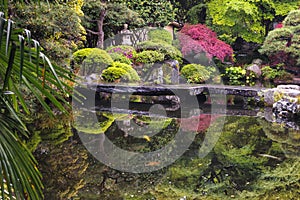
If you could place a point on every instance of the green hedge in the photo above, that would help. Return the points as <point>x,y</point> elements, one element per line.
<point>113,74</point>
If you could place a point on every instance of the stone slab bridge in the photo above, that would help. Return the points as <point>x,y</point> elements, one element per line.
<point>164,90</point>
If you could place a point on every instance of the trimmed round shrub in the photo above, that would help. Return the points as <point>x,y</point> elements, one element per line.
<point>170,52</point>
<point>112,74</point>
<point>92,60</point>
<point>80,55</point>
<point>160,34</point>
<point>120,58</point>
<point>148,56</point>
<point>125,50</point>
<point>195,73</point>
<point>133,75</point>
<point>98,56</point>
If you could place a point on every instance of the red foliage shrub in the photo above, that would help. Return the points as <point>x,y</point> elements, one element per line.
<point>279,25</point>
<point>199,38</point>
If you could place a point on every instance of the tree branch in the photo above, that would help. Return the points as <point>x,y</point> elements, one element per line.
<point>93,32</point>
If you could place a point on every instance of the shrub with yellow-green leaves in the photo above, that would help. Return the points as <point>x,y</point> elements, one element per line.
<point>195,73</point>
<point>120,72</point>
<point>91,60</point>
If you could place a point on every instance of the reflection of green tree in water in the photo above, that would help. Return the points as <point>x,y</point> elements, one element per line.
<point>62,167</point>
<point>240,166</point>
<point>92,123</point>
<point>244,164</point>
<point>289,139</point>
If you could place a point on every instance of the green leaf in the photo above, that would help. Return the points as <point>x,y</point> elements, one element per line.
<point>10,66</point>
<point>9,30</point>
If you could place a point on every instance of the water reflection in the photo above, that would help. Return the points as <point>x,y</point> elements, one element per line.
<point>253,158</point>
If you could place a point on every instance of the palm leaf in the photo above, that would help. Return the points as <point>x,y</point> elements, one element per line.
<point>19,178</point>
<point>26,69</point>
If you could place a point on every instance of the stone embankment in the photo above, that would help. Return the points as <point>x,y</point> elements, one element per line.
<point>285,100</point>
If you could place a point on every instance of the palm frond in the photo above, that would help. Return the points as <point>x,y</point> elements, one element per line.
<point>20,65</point>
<point>33,67</point>
<point>19,176</point>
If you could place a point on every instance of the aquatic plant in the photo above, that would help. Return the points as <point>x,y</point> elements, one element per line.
<point>63,169</point>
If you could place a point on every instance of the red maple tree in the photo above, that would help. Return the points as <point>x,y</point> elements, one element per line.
<point>199,38</point>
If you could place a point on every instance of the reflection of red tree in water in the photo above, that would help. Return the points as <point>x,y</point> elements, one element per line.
<point>198,123</point>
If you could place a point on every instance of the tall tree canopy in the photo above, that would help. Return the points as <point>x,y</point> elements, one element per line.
<point>155,12</point>
<point>250,20</point>
<point>103,18</point>
<point>61,33</point>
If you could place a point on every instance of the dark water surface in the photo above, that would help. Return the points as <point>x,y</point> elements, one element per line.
<point>252,159</point>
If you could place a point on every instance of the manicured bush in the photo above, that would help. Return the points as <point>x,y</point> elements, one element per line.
<point>282,44</point>
<point>91,60</point>
<point>157,35</point>
<point>113,74</point>
<point>80,55</point>
<point>125,50</point>
<point>133,75</point>
<point>120,58</point>
<point>148,56</point>
<point>195,73</point>
<point>170,52</point>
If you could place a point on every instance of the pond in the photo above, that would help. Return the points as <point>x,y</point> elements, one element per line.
<point>201,156</point>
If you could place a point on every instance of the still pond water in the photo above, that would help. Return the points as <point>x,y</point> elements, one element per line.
<point>251,158</point>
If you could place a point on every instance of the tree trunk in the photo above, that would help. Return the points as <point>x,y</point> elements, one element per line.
<point>100,41</point>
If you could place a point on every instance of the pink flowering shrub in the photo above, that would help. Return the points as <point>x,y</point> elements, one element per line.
<point>199,38</point>
<point>125,50</point>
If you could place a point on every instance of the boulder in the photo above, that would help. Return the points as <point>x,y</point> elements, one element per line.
<point>288,87</point>
<point>291,92</point>
<point>286,108</point>
<point>255,67</point>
